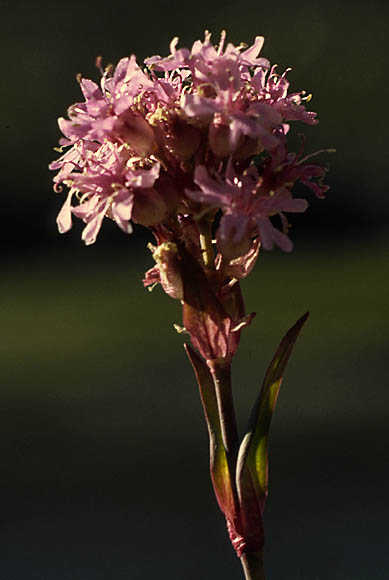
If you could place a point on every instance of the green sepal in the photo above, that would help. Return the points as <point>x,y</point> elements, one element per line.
<point>252,464</point>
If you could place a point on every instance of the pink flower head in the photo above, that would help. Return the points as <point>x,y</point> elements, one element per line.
<point>200,130</point>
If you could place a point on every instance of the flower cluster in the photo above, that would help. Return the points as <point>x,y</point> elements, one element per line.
<point>199,133</point>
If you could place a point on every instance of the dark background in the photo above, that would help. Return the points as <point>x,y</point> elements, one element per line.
<point>103,447</point>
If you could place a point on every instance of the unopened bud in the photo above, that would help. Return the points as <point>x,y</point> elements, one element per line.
<point>247,147</point>
<point>219,133</point>
<point>182,139</point>
<point>150,207</point>
<point>139,135</point>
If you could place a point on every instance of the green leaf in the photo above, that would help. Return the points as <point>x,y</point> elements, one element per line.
<point>219,468</point>
<point>252,465</point>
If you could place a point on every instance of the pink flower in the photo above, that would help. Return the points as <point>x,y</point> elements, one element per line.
<point>110,112</point>
<point>204,53</point>
<point>246,210</point>
<point>73,159</point>
<point>108,186</point>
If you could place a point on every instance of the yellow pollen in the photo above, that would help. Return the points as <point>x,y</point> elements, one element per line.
<point>162,249</point>
<point>180,329</point>
<point>160,114</point>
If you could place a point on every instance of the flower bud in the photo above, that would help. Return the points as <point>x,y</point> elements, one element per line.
<point>248,147</point>
<point>167,187</point>
<point>139,135</point>
<point>219,133</point>
<point>182,139</point>
<point>150,207</point>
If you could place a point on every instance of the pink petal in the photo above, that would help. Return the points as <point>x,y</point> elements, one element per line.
<point>196,106</point>
<point>270,235</point>
<point>90,232</point>
<point>64,219</point>
<point>122,209</point>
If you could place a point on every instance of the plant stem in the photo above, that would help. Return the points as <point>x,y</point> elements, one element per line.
<point>252,563</point>
<point>221,374</point>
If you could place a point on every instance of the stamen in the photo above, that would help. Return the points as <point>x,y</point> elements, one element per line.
<point>221,43</point>
<point>99,61</point>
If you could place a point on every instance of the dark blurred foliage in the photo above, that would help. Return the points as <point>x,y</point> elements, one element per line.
<point>102,443</point>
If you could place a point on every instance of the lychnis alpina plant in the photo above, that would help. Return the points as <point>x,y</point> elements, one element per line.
<point>195,147</point>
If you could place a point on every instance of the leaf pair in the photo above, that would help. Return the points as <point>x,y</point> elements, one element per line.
<point>241,488</point>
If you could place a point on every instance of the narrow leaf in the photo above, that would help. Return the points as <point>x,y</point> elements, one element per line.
<point>220,473</point>
<point>252,467</point>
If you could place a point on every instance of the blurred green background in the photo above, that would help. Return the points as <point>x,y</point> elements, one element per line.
<point>103,446</point>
